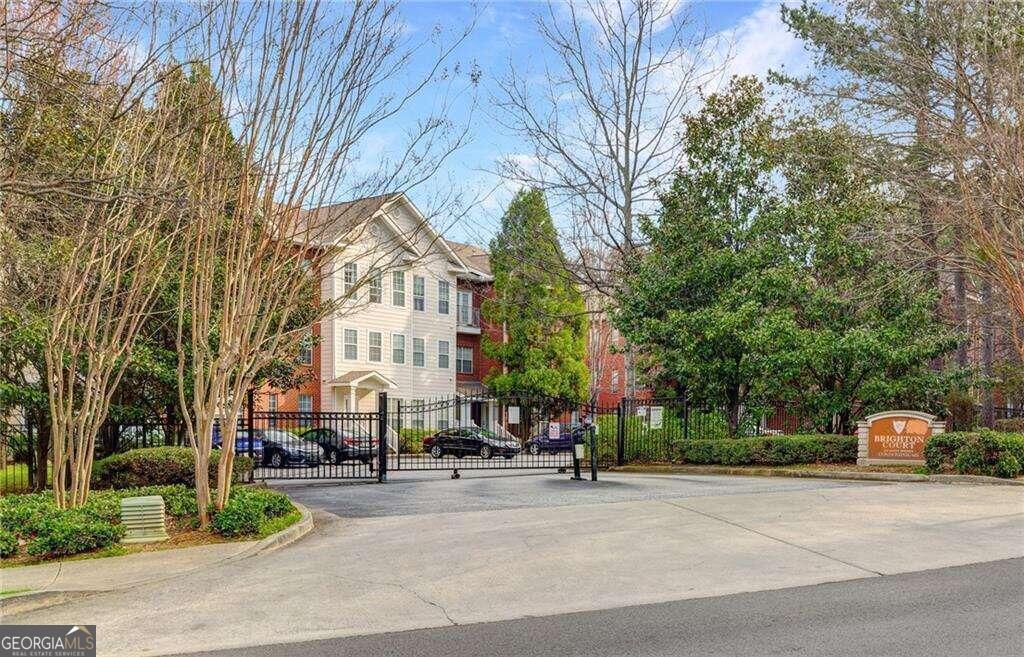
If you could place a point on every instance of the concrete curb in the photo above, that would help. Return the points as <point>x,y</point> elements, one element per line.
<point>33,600</point>
<point>893,477</point>
<point>276,541</point>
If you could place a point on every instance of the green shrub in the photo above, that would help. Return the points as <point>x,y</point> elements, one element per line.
<point>961,413</point>
<point>248,509</point>
<point>23,514</point>
<point>71,531</point>
<point>769,450</point>
<point>8,543</point>
<point>982,452</point>
<point>410,441</point>
<point>158,466</point>
<point>1010,425</point>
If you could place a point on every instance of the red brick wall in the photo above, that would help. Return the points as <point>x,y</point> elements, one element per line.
<point>288,400</point>
<point>482,366</point>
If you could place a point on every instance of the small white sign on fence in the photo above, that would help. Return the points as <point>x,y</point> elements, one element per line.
<point>513,415</point>
<point>655,417</point>
<point>641,411</point>
<point>554,430</point>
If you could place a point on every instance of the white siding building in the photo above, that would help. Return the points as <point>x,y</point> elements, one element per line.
<point>395,326</point>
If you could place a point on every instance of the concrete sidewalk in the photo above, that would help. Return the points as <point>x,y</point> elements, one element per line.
<point>380,574</point>
<point>53,582</point>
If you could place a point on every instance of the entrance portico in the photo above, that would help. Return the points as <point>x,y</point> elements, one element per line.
<point>356,391</point>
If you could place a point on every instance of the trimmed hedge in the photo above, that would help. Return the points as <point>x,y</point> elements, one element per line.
<point>1010,425</point>
<point>982,452</point>
<point>53,532</point>
<point>247,510</point>
<point>768,450</point>
<point>158,466</point>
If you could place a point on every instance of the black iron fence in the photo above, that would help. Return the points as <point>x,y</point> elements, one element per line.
<point>454,433</point>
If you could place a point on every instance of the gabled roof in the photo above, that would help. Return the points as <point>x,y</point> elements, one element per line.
<point>355,377</point>
<point>473,257</point>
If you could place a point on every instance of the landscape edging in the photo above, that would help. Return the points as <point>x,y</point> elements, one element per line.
<point>821,474</point>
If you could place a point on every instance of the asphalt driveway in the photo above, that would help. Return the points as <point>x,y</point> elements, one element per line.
<point>419,492</point>
<point>432,552</point>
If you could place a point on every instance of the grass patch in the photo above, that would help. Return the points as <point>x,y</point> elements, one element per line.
<point>9,592</point>
<point>274,525</point>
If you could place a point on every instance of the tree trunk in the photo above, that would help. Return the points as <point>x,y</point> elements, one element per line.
<point>988,414</point>
<point>203,489</point>
<point>960,314</point>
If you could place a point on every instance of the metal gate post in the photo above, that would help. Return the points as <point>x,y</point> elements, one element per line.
<point>250,433</point>
<point>593,453</point>
<point>620,438</point>
<point>382,437</point>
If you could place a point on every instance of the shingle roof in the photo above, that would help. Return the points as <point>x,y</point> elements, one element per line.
<point>473,256</point>
<point>330,221</point>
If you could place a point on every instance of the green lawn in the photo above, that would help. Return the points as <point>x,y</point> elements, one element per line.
<point>14,478</point>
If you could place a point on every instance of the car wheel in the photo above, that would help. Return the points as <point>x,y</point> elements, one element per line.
<point>534,449</point>
<point>486,452</point>
<point>277,460</point>
<point>334,457</point>
<point>436,451</point>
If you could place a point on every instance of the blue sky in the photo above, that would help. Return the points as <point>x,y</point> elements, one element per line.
<point>505,36</point>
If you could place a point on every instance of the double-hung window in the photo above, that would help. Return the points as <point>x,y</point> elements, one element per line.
<point>398,348</point>
<point>419,293</point>
<point>444,295</point>
<point>374,343</point>
<point>443,354</point>
<point>306,350</point>
<point>351,273</point>
<point>351,344</point>
<point>464,360</point>
<point>398,288</point>
<point>376,287</point>
<point>419,353</point>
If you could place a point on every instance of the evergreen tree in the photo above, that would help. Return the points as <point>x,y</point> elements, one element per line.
<point>760,281</point>
<point>541,309</point>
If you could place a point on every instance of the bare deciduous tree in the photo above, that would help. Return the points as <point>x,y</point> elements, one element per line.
<point>602,123</point>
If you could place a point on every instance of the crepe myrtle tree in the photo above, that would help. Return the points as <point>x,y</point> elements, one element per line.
<point>89,205</point>
<point>308,84</point>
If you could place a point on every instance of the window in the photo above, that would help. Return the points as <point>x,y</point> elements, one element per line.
<point>443,354</point>
<point>351,274</point>
<point>398,288</point>
<point>464,360</point>
<point>417,419</point>
<point>442,418</point>
<point>376,287</point>
<point>398,348</point>
<point>419,353</point>
<point>375,342</point>
<point>615,381</point>
<point>419,293</point>
<point>444,294</point>
<point>305,406</point>
<point>351,344</point>
<point>306,350</point>
<point>272,403</point>
<point>465,307</point>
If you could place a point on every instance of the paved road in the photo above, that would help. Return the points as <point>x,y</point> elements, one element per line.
<point>421,492</point>
<point>483,549</point>
<point>967,610</point>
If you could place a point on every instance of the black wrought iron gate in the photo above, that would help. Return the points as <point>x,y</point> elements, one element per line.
<point>461,432</point>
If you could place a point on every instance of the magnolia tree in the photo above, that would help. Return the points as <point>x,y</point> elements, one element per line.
<point>293,91</point>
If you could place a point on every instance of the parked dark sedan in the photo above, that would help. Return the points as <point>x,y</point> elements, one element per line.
<point>466,441</point>
<point>242,445</point>
<point>341,445</point>
<point>543,442</point>
<point>282,448</point>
